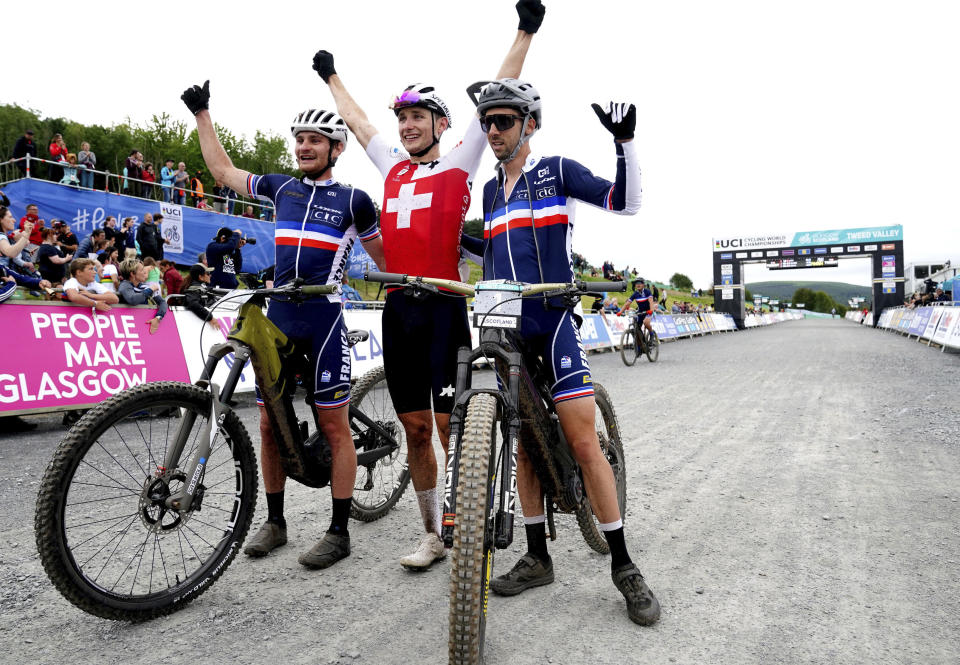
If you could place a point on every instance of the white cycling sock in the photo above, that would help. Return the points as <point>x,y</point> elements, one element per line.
<point>535,519</point>
<point>611,526</point>
<point>430,509</point>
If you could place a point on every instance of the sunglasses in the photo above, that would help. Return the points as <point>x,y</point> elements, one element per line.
<point>502,122</point>
<point>406,98</point>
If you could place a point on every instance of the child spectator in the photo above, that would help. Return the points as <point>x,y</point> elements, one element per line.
<point>70,172</point>
<point>153,273</point>
<point>109,275</point>
<point>84,289</point>
<point>51,260</point>
<point>171,277</point>
<point>133,290</point>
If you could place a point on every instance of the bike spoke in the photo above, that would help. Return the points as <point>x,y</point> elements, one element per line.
<point>104,474</point>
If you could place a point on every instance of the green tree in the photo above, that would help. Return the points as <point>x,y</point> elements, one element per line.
<point>681,282</point>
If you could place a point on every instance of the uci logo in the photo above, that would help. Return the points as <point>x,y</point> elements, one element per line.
<point>727,243</point>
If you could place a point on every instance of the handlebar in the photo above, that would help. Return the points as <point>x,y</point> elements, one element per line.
<point>296,291</point>
<point>553,288</point>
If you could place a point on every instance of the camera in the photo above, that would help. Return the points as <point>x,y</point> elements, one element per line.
<point>251,241</point>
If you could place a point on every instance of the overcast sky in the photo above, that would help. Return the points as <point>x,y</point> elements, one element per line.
<point>753,116</point>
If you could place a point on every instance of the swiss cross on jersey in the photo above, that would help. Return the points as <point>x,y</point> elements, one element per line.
<point>423,210</point>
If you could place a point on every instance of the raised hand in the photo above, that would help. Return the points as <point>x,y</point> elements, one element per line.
<point>620,119</point>
<point>531,15</point>
<point>323,65</point>
<point>196,98</point>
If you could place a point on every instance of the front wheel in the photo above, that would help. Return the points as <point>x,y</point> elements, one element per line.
<point>106,538</point>
<point>628,347</point>
<point>472,548</point>
<point>378,485</point>
<point>652,346</point>
<point>608,433</point>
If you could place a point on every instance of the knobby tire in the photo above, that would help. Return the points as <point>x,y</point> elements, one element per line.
<point>377,490</point>
<point>103,545</point>
<point>472,554</point>
<point>608,432</point>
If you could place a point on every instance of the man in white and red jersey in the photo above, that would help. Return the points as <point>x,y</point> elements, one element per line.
<point>426,197</point>
<point>318,221</point>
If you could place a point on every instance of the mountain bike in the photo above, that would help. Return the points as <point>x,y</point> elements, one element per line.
<point>150,495</point>
<point>485,427</point>
<point>637,341</point>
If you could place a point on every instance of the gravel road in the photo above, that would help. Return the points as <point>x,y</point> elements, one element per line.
<point>793,498</point>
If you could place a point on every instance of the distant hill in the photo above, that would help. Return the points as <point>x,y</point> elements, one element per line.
<point>841,292</point>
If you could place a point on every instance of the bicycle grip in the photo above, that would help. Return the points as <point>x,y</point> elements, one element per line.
<point>600,287</point>
<point>385,277</point>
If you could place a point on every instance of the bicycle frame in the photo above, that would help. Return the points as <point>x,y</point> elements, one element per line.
<point>255,338</point>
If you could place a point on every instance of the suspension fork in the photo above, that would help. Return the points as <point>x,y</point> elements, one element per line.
<point>503,530</point>
<point>452,473</point>
<point>183,499</point>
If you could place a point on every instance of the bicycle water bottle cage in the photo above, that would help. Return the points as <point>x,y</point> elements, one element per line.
<point>497,304</point>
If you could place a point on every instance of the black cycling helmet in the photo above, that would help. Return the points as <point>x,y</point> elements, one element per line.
<point>638,280</point>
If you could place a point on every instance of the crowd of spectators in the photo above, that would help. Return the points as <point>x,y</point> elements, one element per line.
<point>105,267</point>
<point>139,178</point>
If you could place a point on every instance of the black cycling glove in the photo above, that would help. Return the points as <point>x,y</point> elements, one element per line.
<point>620,120</point>
<point>196,98</point>
<point>531,15</point>
<point>323,64</point>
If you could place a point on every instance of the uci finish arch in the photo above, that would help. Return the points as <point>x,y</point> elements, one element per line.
<point>809,249</point>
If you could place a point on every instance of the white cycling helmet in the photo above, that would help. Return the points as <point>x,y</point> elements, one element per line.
<point>323,122</point>
<point>424,96</point>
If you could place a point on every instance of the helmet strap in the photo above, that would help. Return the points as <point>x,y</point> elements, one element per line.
<point>523,139</point>
<point>433,133</point>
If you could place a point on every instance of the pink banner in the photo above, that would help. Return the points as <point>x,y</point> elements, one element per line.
<point>60,356</point>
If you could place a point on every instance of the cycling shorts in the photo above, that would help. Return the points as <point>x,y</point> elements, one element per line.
<point>554,335</point>
<point>317,330</point>
<point>420,343</point>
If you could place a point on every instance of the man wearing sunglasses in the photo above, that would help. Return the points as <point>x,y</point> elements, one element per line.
<point>426,197</point>
<point>528,223</point>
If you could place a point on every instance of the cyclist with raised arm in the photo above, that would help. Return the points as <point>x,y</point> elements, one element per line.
<point>528,223</point>
<point>318,220</point>
<point>645,303</point>
<point>426,197</point>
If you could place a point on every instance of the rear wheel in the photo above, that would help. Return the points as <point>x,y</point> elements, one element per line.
<point>628,347</point>
<point>380,484</point>
<point>472,542</point>
<point>105,536</point>
<point>652,346</point>
<point>608,432</point>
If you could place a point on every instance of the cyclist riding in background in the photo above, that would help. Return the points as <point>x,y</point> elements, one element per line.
<point>318,220</point>
<point>645,303</point>
<point>528,222</point>
<point>426,197</point>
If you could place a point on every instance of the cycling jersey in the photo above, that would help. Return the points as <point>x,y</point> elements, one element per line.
<point>424,205</point>
<point>545,197</point>
<point>317,224</point>
<point>527,237</point>
<point>643,298</point>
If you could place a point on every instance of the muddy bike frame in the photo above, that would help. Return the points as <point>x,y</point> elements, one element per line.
<point>525,403</point>
<point>255,338</point>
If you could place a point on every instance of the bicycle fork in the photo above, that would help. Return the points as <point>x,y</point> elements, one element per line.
<point>506,507</point>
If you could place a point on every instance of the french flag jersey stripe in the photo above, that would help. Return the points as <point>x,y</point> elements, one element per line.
<point>549,187</point>
<point>317,225</point>
<point>572,394</point>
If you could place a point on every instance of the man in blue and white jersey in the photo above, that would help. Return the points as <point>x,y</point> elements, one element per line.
<point>318,221</point>
<point>528,225</point>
